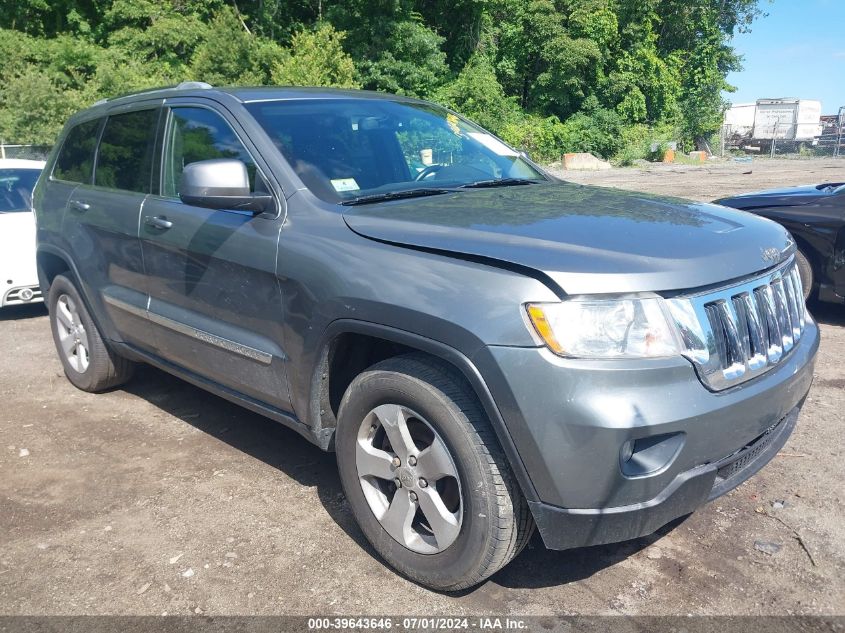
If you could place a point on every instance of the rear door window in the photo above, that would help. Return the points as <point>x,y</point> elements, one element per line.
<point>125,156</point>
<point>75,162</point>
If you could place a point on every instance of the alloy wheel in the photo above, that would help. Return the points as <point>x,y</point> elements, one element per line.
<point>72,335</point>
<point>409,479</point>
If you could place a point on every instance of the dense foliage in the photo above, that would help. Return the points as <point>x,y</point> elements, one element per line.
<point>607,76</point>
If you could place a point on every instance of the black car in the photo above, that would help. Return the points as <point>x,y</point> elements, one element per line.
<point>815,215</point>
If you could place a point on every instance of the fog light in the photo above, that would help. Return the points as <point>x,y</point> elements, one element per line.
<point>26,294</point>
<point>650,455</point>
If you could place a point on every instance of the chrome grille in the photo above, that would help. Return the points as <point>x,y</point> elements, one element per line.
<point>737,333</point>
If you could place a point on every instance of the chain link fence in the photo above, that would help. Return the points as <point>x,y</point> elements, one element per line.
<point>784,139</point>
<point>31,152</point>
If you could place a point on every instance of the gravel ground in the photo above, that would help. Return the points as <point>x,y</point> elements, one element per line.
<point>715,179</point>
<point>161,498</point>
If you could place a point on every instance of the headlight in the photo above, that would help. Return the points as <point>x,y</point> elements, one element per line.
<point>606,328</point>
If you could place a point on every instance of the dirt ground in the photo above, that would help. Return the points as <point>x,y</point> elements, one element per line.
<point>715,179</point>
<point>160,498</point>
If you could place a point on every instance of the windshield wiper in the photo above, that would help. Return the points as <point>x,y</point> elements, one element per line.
<point>396,195</point>
<point>434,191</point>
<point>499,182</point>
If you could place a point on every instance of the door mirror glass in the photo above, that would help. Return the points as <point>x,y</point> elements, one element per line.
<point>221,183</point>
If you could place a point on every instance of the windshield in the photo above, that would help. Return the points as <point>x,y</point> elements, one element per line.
<point>355,149</point>
<point>16,187</point>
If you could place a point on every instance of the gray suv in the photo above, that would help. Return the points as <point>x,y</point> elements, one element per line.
<point>486,348</point>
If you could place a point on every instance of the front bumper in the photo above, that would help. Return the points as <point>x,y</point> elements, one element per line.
<point>569,420</point>
<point>563,528</point>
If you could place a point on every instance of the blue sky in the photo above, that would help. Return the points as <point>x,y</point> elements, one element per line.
<point>798,50</point>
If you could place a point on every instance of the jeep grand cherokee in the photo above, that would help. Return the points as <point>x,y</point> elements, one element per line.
<point>487,349</point>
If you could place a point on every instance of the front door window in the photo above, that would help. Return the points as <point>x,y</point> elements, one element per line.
<point>196,134</point>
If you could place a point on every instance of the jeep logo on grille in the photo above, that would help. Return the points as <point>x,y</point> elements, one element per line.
<point>770,255</point>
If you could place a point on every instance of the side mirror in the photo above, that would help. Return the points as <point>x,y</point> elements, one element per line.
<point>221,183</point>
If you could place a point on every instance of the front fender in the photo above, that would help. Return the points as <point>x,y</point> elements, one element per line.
<point>438,350</point>
<point>328,273</point>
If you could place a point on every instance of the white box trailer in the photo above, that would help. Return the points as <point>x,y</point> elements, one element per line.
<point>739,119</point>
<point>787,119</point>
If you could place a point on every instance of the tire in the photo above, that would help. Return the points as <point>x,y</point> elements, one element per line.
<point>806,273</point>
<point>88,363</point>
<point>492,522</point>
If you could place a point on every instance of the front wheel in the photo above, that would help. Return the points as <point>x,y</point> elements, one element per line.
<point>425,476</point>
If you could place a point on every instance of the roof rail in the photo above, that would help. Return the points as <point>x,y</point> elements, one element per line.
<point>185,85</point>
<point>194,85</point>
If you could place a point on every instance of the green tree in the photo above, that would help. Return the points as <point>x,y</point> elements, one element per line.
<point>548,74</point>
<point>393,48</point>
<point>462,24</point>
<point>550,53</point>
<point>230,55</point>
<point>477,93</point>
<point>316,58</point>
<point>595,129</point>
<point>33,108</point>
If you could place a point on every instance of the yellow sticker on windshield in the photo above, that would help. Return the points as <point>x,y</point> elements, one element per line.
<point>452,121</point>
<point>345,184</point>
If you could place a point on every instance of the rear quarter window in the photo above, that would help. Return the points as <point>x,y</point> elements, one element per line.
<point>125,157</point>
<point>75,162</point>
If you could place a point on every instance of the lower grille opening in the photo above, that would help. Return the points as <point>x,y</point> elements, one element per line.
<point>738,461</point>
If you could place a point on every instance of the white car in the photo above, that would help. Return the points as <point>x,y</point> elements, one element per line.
<point>18,274</point>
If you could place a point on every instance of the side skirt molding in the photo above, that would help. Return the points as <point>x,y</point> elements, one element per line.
<point>258,355</point>
<point>256,406</point>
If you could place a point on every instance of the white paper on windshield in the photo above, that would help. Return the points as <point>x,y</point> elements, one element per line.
<point>345,184</point>
<point>492,143</point>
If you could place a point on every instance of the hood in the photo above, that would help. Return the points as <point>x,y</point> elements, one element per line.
<point>785,197</point>
<point>586,239</point>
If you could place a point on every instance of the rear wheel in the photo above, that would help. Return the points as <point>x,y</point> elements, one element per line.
<point>88,363</point>
<point>425,476</point>
<point>806,273</point>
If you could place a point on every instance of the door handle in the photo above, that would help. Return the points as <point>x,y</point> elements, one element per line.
<point>158,222</point>
<point>79,205</point>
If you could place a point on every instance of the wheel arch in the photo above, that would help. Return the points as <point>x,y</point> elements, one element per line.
<point>349,347</point>
<point>51,262</point>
